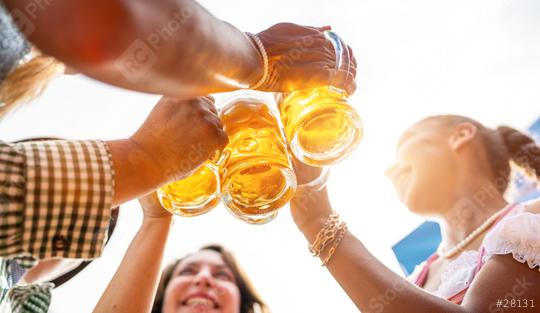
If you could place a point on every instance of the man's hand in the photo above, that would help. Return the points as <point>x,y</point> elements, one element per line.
<point>180,135</point>
<point>302,57</point>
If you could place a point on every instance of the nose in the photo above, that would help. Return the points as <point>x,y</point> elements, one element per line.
<point>203,278</point>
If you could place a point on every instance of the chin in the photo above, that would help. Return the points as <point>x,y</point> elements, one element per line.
<point>418,207</point>
<point>419,212</point>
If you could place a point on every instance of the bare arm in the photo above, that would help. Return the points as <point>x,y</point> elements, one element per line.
<point>134,284</point>
<point>135,173</point>
<point>172,47</point>
<point>375,288</point>
<point>176,47</point>
<point>534,206</point>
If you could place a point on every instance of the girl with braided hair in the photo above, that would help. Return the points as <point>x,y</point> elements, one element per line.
<point>456,171</point>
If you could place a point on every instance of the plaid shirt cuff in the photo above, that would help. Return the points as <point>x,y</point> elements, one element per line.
<point>12,186</point>
<point>68,195</point>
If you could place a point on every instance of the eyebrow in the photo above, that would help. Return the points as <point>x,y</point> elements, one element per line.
<point>192,264</point>
<point>223,267</point>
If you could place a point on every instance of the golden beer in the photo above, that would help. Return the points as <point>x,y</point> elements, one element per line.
<point>322,128</point>
<point>194,195</point>
<point>257,176</point>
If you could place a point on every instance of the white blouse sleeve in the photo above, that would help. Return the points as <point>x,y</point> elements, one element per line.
<point>518,235</point>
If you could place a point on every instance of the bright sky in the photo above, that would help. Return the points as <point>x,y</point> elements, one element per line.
<point>479,58</point>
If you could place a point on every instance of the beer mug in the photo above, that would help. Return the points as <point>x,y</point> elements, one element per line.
<point>257,177</point>
<point>322,128</point>
<point>193,195</point>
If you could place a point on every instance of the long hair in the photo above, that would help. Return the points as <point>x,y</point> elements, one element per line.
<point>27,81</point>
<point>250,299</point>
<point>504,146</point>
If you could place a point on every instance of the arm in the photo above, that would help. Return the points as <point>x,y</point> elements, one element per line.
<point>188,49</point>
<point>534,206</point>
<point>375,288</point>
<point>135,172</point>
<point>134,284</point>
<point>360,274</point>
<point>176,47</point>
<point>46,187</point>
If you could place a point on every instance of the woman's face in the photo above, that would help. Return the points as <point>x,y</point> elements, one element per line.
<point>202,283</point>
<point>425,173</point>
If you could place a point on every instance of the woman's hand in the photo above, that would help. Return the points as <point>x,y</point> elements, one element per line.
<point>152,209</point>
<point>310,207</point>
<point>302,57</point>
<point>305,173</point>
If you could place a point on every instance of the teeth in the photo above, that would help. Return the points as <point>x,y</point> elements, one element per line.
<point>199,301</point>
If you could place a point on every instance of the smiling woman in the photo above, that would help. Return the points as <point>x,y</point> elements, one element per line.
<point>209,280</point>
<point>456,170</point>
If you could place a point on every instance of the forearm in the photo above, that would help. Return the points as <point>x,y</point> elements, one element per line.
<point>172,47</point>
<point>135,173</point>
<point>375,288</point>
<point>370,284</point>
<point>134,284</point>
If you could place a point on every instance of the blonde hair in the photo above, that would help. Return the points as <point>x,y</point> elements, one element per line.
<point>27,81</point>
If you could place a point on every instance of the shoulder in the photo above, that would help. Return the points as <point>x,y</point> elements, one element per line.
<point>512,260</point>
<point>533,206</point>
<point>517,235</point>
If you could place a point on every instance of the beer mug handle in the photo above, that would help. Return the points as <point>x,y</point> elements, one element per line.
<point>318,183</point>
<point>216,163</point>
<point>343,57</point>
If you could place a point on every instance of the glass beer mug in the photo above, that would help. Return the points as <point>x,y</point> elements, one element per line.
<point>256,176</point>
<point>193,195</point>
<point>322,128</point>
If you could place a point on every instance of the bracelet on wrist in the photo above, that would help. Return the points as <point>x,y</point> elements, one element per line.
<point>264,55</point>
<point>329,238</point>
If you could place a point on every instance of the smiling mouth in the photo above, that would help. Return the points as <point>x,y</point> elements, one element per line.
<point>200,303</point>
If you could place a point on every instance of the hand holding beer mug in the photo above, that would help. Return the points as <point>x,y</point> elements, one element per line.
<point>322,128</point>
<point>253,175</point>
<point>301,57</point>
<point>257,176</point>
<point>199,192</point>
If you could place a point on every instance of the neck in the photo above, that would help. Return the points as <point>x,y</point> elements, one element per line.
<point>469,212</point>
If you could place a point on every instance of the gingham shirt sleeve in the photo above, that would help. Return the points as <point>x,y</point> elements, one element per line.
<point>55,199</point>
